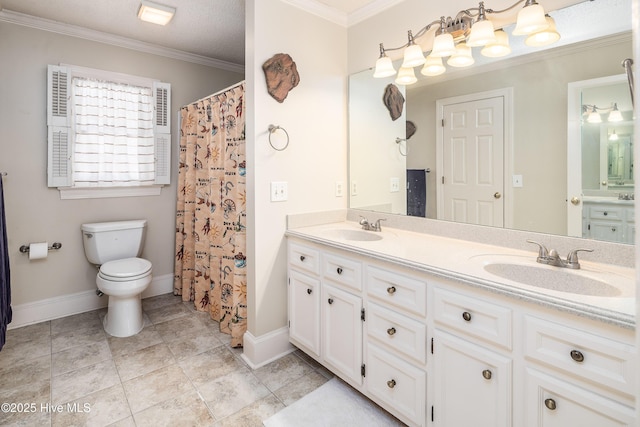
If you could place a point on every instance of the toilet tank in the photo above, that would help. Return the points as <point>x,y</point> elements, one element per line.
<point>108,241</point>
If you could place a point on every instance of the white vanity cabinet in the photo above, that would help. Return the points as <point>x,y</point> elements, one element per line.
<point>609,221</point>
<point>575,376</point>
<point>472,360</point>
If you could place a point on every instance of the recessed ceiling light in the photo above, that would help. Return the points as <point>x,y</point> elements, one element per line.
<point>155,13</point>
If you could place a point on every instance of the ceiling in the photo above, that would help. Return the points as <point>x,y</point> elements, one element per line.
<point>213,29</point>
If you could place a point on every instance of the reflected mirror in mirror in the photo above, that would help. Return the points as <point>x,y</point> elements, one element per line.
<point>531,92</point>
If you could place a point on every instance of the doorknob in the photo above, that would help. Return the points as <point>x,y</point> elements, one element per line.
<point>575,201</point>
<point>497,195</point>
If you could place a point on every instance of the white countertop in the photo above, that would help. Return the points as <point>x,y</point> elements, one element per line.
<point>464,261</point>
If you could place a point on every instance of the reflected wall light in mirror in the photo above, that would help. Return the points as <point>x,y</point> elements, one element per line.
<point>593,113</point>
<point>454,38</point>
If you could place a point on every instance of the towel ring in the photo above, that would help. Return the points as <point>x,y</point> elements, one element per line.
<point>272,130</point>
<point>398,141</point>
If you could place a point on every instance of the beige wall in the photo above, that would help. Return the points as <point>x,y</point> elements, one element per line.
<point>539,125</point>
<point>34,212</point>
<point>314,115</point>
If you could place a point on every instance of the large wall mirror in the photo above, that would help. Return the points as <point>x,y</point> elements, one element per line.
<point>391,173</point>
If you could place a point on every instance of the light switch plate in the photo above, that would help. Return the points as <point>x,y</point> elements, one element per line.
<point>395,185</point>
<point>279,191</point>
<point>517,181</point>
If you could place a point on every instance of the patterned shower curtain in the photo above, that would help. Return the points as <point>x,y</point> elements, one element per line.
<point>211,211</point>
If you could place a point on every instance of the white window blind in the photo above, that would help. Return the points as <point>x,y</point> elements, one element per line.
<point>107,131</point>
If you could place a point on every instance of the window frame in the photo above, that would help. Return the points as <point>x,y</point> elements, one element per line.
<point>60,132</point>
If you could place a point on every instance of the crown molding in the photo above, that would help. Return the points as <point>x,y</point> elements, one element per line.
<point>111,39</point>
<point>341,18</point>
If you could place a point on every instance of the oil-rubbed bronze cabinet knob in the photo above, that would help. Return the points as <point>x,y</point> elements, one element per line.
<point>330,300</point>
<point>391,383</point>
<point>302,258</point>
<point>309,291</point>
<point>550,404</point>
<point>486,374</point>
<point>577,356</point>
<point>466,316</point>
<point>391,290</point>
<point>339,270</point>
<point>391,331</point>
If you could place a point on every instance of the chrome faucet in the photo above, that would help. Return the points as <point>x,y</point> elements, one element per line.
<point>551,257</point>
<point>366,225</point>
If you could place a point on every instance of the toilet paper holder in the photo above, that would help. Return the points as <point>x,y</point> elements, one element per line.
<point>54,246</point>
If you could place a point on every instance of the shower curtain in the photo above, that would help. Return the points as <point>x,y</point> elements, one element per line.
<point>5,282</point>
<point>211,210</point>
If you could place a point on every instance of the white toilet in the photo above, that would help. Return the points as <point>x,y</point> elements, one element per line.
<point>114,247</point>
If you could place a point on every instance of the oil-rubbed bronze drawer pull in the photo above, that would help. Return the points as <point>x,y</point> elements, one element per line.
<point>302,258</point>
<point>550,404</point>
<point>391,383</point>
<point>391,331</point>
<point>466,316</point>
<point>391,290</point>
<point>339,270</point>
<point>577,356</point>
<point>330,300</point>
<point>309,291</point>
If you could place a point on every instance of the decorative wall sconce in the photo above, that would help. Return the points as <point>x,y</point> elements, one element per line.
<point>455,37</point>
<point>593,113</point>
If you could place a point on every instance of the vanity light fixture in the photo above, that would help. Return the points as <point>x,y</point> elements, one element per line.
<point>454,38</point>
<point>155,13</point>
<point>593,113</point>
<point>613,136</point>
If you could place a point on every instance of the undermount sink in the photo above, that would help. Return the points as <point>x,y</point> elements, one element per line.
<point>354,235</point>
<point>589,282</point>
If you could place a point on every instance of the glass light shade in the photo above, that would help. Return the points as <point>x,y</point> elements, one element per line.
<point>443,45</point>
<point>530,19</point>
<point>615,115</point>
<point>613,136</point>
<point>545,37</point>
<point>413,56</point>
<point>433,67</point>
<point>406,76</point>
<point>498,48</point>
<point>155,13</point>
<point>594,116</point>
<point>384,68</point>
<point>482,32</point>
<point>462,57</point>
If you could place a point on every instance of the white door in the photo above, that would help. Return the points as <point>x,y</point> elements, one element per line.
<point>472,180</point>
<point>304,311</point>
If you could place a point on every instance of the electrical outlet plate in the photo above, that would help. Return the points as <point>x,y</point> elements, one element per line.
<point>339,188</point>
<point>354,188</point>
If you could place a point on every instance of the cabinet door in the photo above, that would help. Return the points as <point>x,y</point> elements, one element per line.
<point>304,311</point>
<point>607,231</point>
<point>342,331</point>
<point>551,402</point>
<point>472,384</point>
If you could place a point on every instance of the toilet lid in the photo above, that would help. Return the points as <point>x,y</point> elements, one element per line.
<point>125,268</point>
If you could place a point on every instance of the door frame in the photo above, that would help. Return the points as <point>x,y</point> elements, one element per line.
<point>574,148</point>
<point>507,169</point>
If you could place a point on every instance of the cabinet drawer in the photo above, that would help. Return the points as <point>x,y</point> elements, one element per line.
<point>591,357</point>
<point>473,316</point>
<point>343,270</point>
<point>396,383</point>
<point>611,213</point>
<point>397,332</point>
<point>398,290</point>
<point>304,257</point>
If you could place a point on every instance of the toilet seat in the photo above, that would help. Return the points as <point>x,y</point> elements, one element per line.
<point>125,270</point>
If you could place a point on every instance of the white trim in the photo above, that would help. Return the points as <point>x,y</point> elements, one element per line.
<point>258,351</point>
<point>111,39</point>
<point>68,193</point>
<point>67,305</point>
<point>339,17</point>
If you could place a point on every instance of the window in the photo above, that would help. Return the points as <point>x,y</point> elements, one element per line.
<point>106,131</point>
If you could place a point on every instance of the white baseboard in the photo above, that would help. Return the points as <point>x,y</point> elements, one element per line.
<point>258,351</point>
<point>66,305</point>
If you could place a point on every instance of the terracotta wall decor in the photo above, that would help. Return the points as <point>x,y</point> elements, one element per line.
<point>411,129</point>
<point>281,74</point>
<point>393,100</point>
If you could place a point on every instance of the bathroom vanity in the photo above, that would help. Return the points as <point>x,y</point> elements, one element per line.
<point>448,332</point>
<point>608,218</point>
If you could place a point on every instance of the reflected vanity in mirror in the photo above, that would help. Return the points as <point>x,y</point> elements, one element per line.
<point>532,93</point>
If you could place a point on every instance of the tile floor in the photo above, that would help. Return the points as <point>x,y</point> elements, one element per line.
<point>178,371</point>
